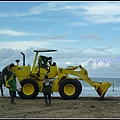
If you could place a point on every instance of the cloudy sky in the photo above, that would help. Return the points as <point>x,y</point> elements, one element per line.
<point>86,33</point>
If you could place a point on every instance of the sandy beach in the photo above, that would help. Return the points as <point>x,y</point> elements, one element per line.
<point>82,107</point>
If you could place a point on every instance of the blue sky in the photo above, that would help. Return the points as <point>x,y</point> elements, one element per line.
<point>86,33</point>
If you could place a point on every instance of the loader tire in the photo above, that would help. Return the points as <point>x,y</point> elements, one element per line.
<point>29,89</point>
<point>70,89</point>
<point>80,87</point>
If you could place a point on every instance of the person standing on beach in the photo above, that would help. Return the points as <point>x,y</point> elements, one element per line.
<point>7,71</point>
<point>47,90</point>
<point>12,88</point>
<point>1,83</point>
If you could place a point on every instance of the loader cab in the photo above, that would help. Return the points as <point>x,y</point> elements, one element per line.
<point>51,70</point>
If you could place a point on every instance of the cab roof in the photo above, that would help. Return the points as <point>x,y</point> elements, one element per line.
<point>44,50</point>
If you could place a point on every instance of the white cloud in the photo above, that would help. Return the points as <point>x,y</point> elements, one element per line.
<point>95,12</point>
<point>94,70</point>
<point>68,63</point>
<point>102,12</point>
<point>70,51</point>
<point>15,33</point>
<point>23,45</point>
<point>102,70</point>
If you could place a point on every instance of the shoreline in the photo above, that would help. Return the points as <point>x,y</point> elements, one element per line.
<point>59,97</point>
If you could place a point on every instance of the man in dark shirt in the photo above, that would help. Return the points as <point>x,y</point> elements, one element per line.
<point>47,90</point>
<point>7,71</point>
<point>43,60</point>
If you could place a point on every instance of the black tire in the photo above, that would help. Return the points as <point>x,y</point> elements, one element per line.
<point>70,89</point>
<point>80,87</point>
<point>30,89</point>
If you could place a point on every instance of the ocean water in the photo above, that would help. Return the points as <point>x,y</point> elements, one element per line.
<point>88,90</point>
<point>113,91</point>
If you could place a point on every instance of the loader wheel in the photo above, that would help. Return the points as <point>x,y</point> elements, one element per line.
<point>70,89</point>
<point>80,87</point>
<point>29,89</point>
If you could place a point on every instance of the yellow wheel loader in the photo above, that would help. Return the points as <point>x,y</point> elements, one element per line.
<point>68,87</point>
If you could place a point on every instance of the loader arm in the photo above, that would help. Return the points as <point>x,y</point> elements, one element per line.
<point>82,74</point>
<point>100,87</point>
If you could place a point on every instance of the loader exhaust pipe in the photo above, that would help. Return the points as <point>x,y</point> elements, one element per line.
<point>23,58</point>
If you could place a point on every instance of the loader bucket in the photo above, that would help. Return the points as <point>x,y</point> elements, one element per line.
<point>102,88</point>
